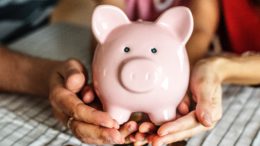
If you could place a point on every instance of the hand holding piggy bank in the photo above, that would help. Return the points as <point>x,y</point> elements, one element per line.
<point>141,66</point>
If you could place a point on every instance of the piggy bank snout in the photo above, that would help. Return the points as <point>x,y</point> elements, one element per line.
<point>139,75</point>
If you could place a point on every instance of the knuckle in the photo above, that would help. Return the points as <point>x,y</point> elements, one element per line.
<point>57,95</point>
<point>97,118</point>
<point>105,137</point>
<point>87,138</point>
<point>54,97</point>
<point>98,137</point>
<point>102,134</point>
<point>74,113</point>
<point>53,94</point>
<point>78,111</point>
<point>79,132</point>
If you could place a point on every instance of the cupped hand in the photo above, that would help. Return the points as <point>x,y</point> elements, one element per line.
<point>89,124</point>
<point>206,91</point>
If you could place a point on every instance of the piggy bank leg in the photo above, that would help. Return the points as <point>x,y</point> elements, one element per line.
<point>121,115</point>
<point>161,116</point>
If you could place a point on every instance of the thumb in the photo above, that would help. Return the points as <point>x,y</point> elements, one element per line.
<point>209,108</point>
<point>87,94</point>
<point>74,76</point>
<point>203,115</point>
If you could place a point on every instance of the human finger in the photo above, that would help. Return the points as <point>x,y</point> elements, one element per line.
<point>93,134</point>
<point>74,75</point>
<point>72,106</point>
<point>87,94</point>
<point>209,103</point>
<point>140,139</point>
<point>183,107</point>
<point>127,129</point>
<point>147,127</point>
<point>179,136</point>
<point>181,124</point>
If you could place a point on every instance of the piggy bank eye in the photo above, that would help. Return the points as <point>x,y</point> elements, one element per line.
<point>127,49</point>
<point>154,50</point>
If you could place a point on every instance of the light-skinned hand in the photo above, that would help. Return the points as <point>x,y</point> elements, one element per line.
<point>206,91</point>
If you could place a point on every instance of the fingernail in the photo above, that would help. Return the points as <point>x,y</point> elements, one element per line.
<point>207,119</point>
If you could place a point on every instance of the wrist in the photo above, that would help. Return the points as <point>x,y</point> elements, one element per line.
<point>49,68</point>
<point>38,75</point>
<point>243,70</point>
<point>219,66</point>
<point>222,68</point>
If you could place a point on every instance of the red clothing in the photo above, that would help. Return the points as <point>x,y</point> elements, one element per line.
<point>242,23</point>
<point>241,20</point>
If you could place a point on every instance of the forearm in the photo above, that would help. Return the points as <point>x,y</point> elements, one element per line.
<point>197,47</point>
<point>24,74</point>
<point>206,19</point>
<point>243,70</point>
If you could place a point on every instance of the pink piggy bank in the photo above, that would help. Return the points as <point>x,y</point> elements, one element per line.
<point>141,66</point>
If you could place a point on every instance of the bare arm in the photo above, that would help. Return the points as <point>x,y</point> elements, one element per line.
<point>243,70</point>
<point>24,74</point>
<point>206,19</point>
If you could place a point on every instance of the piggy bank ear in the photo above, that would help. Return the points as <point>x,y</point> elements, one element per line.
<point>179,21</point>
<point>106,18</point>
